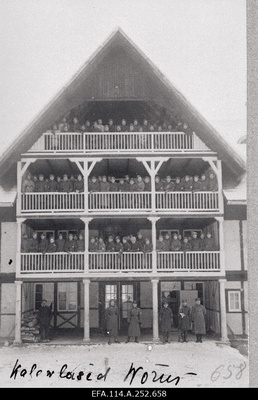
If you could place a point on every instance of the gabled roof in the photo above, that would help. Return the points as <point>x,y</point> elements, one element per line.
<point>62,102</point>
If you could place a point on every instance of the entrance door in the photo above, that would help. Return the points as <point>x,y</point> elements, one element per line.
<point>124,295</point>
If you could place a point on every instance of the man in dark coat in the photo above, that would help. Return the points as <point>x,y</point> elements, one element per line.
<point>93,185</point>
<point>198,319</point>
<point>135,245</point>
<point>60,242</point>
<point>204,183</point>
<point>166,321</point>
<point>186,245</point>
<point>111,315</point>
<point>196,243</point>
<point>79,184</point>
<point>176,244</point>
<point>147,184</point>
<point>70,244</point>
<point>160,244</point>
<point>25,243</point>
<point>167,242</point>
<point>41,184</point>
<point>52,185</point>
<point>65,185</point>
<point>93,245</point>
<point>126,244</point>
<point>113,187</point>
<point>184,318</point>
<point>212,183</point>
<point>44,317</point>
<point>178,185</point>
<point>159,187</point>
<point>196,184</point>
<point>135,321</point>
<point>51,246</point>
<point>43,244</point>
<point>111,244</point>
<point>140,241</point>
<point>33,243</point>
<point>80,244</point>
<point>187,184</point>
<point>28,185</point>
<point>208,243</point>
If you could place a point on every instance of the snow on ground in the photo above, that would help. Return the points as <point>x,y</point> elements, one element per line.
<point>175,365</point>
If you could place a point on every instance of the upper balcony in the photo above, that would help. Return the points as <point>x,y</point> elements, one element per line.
<point>119,142</point>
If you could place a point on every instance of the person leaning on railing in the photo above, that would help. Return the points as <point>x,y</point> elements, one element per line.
<point>160,244</point>
<point>28,185</point>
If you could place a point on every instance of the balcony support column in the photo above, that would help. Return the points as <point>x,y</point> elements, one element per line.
<point>18,311</point>
<point>221,245</point>
<point>223,313</point>
<point>155,308</point>
<point>22,167</point>
<point>19,222</point>
<point>86,243</point>
<point>86,325</point>
<point>153,221</point>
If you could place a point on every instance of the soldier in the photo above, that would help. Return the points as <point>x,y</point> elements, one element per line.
<point>176,244</point>
<point>44,317</point>
<point>70,244</point>
<point>178,185</point>
<point>118,245</point>
<point>58,180</point>
<point>121,185</point>
<point>124,126</point>
<point>43,244</point>
<point>72,182</point>
<point>100,125</point>
<point>135,321</point>
<point>33,243</point>
<point>187,184</point>
<point>136,125</point>
<point>160,245</point>
<point>196,187</point>
<point>60,243</point>
<point>195,242</point>
<point>52,185</point>
<point>147,184</point>
<point>147,246</point>
<point>111,315</point>
<point>159,187</point>
<point>65,185</point>
<point>62,124</point>
<point>93,245</point>
<point>139,184</point>
<point>104,185</point>
<point>75,127</point>
<point>25,243</point>
<point>28,185</point>
<point>41,185</point>
<point>140,241</point>
<point>184,318</point>
<point>167,242</point>
<point>133,186</point>
<point>126,244</point>
<point>127,183</point>
<point>80,244</point>
<point>101,245</point>
<point>93,185</point>
<point>208,243</point>
<point>202,236</point>
<point>145,126</point>
<point>88,127</point>
<point>186,245</point>
<point>51,246</point>
<point>166,321</point>
<point>135,244</point>
<point>111,125</point>
<point>204,183</point>
<point>110,244</point>
<point>79,184</point>
<point>198,319</point>
<point>212,183</point>
<point>113,185</point>
<point>169,184</point>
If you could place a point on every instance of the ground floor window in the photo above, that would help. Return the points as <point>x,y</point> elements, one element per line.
<point>67,296</point>
<point>234,301</point>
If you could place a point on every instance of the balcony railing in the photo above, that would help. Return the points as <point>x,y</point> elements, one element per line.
<point>125,142</point>
<point>48,203</point>
<point>201,262</point>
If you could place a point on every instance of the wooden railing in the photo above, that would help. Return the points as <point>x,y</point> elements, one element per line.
<point>127,142</point>
<point>34,203</point>
<point>201,262</point>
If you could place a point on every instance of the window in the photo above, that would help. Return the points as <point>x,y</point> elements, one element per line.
<point>110,293</point>
<point>67,296</point>
<point>234,301</point>
<point>43,291</point>
<point>47,233</point>
<point>66,233</point>
<point>169,231</point>
<point>38,295</point>
<point>127,299</point>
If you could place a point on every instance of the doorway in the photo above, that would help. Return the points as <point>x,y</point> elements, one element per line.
<point>124,294</point>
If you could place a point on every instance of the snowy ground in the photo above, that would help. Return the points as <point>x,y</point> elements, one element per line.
<point>102,366</point>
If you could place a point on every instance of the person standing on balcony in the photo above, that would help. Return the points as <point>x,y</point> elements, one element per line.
<point>51,246</point>
<point>93,245</point>
<point>208,243</point>
<point>196,187</point>
<point>101,245</point>
<point>65,185</point>
<point>204,183</point>
<point>184,318</point>
<point>33,243</point>
<point>196,243</point>
<point>79,184</point>
<point>147,184</point>
<point>145,126</point>
<point>176,244</point>
<point>133,189</point>
<point>25,243</point>
<point>135,321</point>
<point>202,236</point>
<point>167,242</point>
<point>28,185</point>
<point>159,186</point>
<point>147,246</point>
<point>198,319</point>
<point>135,246</point>
<point>186,245</point>
<point>124,126</point>
<point>111,315</point>
<point>111,244</point>
<point>127,183</point>
<point>212,183</point>
<point>52,185</point>
<point>88,127</point>
<point>60,243</point>
<point>160,244</point>
<point>166,321</point>
<point>43,244</point>
<point>187,187</point>
<point>41,185</point>
<point>178,185</point>
<point>140,241</point>
<point>111,125</point>
<point>62,124</point>
<point>113,185</point>
<point>121,185</point>
<point>169,185</point>
<point>126,244</point>
<point>75,127</point>
<point>104,187</point>
<point>70,244</point>
<point>80,243</point>
<point>187,184</point>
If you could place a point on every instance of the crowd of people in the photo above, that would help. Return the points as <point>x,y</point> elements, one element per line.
<point>109,183</point>
<point>116,244</point>
<point>123,125</point>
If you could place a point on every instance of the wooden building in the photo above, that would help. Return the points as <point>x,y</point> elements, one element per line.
<point>120,82</point>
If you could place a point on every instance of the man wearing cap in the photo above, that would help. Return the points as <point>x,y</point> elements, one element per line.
<point>147,184</point>
<point>121,185</point>
<point>204,183</point>
<point>113,185</point>
<point>33,243</point>
<point>104,187</point>
<point>93,245</point>
<point>43,244</point>
<point>212,183</point>
<point>44,316</point>
<point>166,321</point>
<point>135,246</point>
<point>184,318</point>
<point>110,244</point>
<point>167,242</point>
<point>160,245</point>
<point>169,184</point>
<point>186,245</point>
<point>140,241</point>
<point>176,244</point>
<point>196,187</point>
<point>196,243</point>
<point>111,316</point>
<point>178,185</point>
<point>28,185</point>
<point>51,245</point>
<point>208,242</point>
<point>145,126</point>
<point>111,125</point>
<point>135,321</point>
<point>159,187</point>
<point>41,187</point>
<point>52,185</point>
<point>126,244</point>
<point>60,243</point>
<point>80,243</point>
<point>25,243</point>
<point>70,245</point>
<point>198,319</point>
<point>101,247</point>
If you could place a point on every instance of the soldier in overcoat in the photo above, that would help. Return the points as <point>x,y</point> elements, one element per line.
<point>184,318</point>
<point>198,319</point>
<point>135,320</point>
<point>111,315</point>
<point>166,321</point>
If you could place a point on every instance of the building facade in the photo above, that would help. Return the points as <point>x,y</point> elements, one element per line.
<point>118,83</point>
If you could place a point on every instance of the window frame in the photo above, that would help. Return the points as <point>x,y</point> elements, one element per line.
<point>229,309</point>
<point>67,300</point>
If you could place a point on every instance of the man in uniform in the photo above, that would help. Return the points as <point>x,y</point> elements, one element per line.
<point>176,244</point>
<point>93,245</point>
<point>147,246</point>
<point>208,243</point>
<point>113,185</point>
<point>202,236</point>
<point>43,244</point>
<point>52,185</point>
<point>28,185</point>
<point>101,245</point>
<point>160,245</point>
<point>195,242</point>
<point>93,185</point>
<point>111,125</point>
<point>121,185</point>
<point>159,187</point>
<point>25,243</point>
<point>135,246</point>
<point>65,185</point>
<point>145,126</point>
<point>147,184</point>
<point>169,184</point>
<point>167,242</point>
<point>140,241</point>
<point>51,246</point>
<point>126,244</point>
<point>33,243</point>
<point>212,183</point>
<point>79,188</point>
<point>127,183</point>
<point>80,244</point>
<point>187,184</point>
<point>60,243</point>
<point>44,316</point>
<point>110,244</point>
<point>203,183</point>
<point>186,245</point>
<point>124,126</point>
<point>70,244</point>
<point>75,127</point>
<point>41,184</point>
<point>178,184</point>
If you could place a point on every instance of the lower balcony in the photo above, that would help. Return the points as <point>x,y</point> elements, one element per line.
<point>202,262</point>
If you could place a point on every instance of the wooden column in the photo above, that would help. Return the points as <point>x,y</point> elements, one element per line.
<point>86,336</point>
<point>155,310</point>
<point>153,221</point>
<point>223,312</point>
<point>19,222</point>
<point>86,243</point>
<point>221,245</point>
<point>18,311</point>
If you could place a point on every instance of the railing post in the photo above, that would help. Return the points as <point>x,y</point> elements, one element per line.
<point>223,314</point>
<point>153,221</point>
<point>86,335</point>
<point>220,187</point>
<point>18,311</point>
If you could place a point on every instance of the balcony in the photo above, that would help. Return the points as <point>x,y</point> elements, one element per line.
<point>48,203</point>
<point>203,263</point>
<point>122,142</point>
